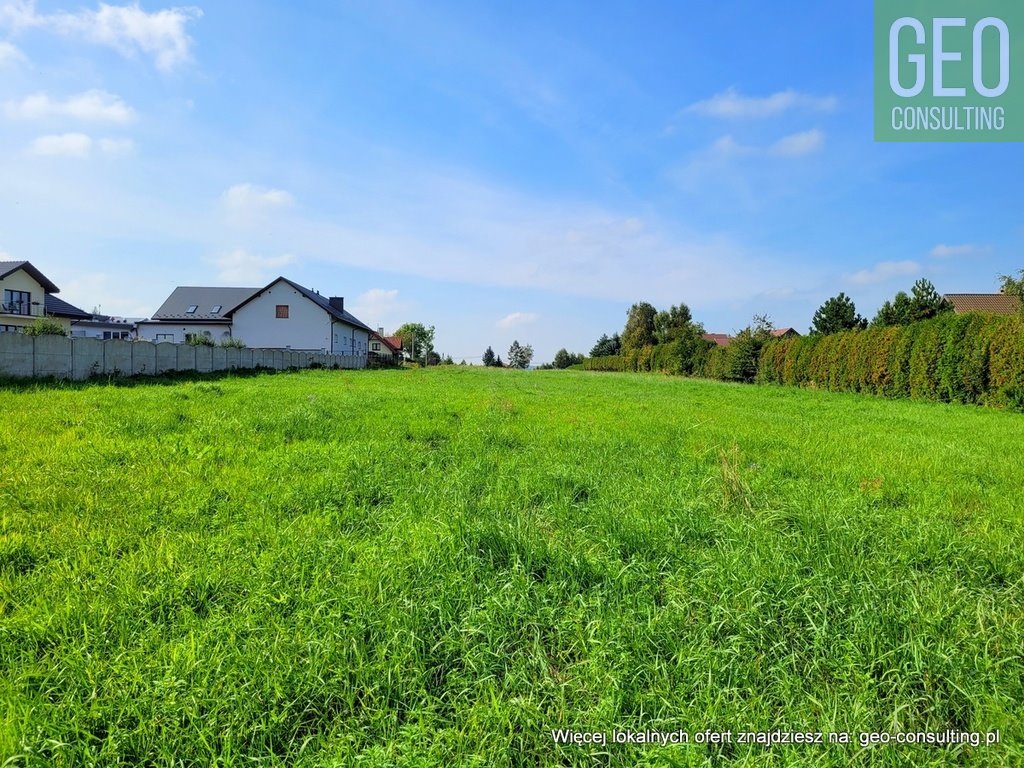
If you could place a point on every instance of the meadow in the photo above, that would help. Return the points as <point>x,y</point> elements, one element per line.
<point>440,567</point>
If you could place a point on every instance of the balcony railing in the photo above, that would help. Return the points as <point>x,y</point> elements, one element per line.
<point>23,308</point>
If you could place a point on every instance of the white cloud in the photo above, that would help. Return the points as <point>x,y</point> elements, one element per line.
<point>967,249</point>
<point>9,54</point>
<point>517,319</point>
<point>91,106</point>
<point>732,105</point>
<point>244,268</point>
<point>127,29</point>
<point>884,271</point>
<point>64,144</point>
<point>798,144</point>
<point>793,145</point>
<point>379,307</point>
<point>79,145</point>
<point>116,147</point>
<point>247,196</point>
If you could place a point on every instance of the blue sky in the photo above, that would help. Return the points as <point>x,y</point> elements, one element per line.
<point>515,170</point>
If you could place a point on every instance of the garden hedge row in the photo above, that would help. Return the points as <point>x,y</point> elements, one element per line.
<point>972,358</point>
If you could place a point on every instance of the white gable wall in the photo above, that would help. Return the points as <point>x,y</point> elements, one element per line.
<point>307,327</point>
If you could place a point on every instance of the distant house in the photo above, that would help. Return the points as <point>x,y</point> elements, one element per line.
<point>286,315</point>
<point>27,294</point>
<point>992,303</point>
<point>721,339</point>
<point>281,315</point>
<point>194,311</point>
<point>385,346</point>
<point>785,333</point>
<point>103,327</point>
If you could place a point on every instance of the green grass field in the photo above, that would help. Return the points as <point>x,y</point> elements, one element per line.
<point>440,567</point>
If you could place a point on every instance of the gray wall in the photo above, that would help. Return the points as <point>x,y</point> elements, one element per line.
<point>29,357</point>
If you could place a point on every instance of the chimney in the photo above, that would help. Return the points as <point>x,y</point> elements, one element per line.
<point>380,331</point>
<point>338,302</point>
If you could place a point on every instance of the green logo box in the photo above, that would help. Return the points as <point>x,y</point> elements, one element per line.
<point>949,70</point>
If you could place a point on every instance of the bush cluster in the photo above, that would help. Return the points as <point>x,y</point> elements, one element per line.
<point>972,358</point>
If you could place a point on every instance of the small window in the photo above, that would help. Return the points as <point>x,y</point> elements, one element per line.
<point>282,311</point>
<point>217,308</point>
<point>191,309</point>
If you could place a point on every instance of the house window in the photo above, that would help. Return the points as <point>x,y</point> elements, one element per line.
<point>191,309</point>
<point>376,346</point>
<point>165,337</point>
<point>9,328</point>
<point>217,308</point>
<point>17,302</point>
<point>115,335</point>
<point>282,311</point>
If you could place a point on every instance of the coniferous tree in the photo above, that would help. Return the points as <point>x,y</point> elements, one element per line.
<point>837,314</point>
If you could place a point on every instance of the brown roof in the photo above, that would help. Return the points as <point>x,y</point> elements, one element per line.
<point>394,343</point>
<point>780,332</point>
<point>721,339</point>
<point>993,303</point>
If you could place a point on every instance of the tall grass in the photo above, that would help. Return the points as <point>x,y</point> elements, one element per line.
<point>439,567</point>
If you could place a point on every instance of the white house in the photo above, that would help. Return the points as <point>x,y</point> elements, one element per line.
<point>286,315</point>
<point>194,311</point>
<point>281,315</point>
<point>103,327</point>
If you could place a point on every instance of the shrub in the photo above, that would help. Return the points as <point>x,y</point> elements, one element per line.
<point>45,326</point>
<point>232,343</point>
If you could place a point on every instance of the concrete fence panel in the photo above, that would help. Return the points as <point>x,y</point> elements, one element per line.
<point>218,359</point>
<point>86,358</point>
<point>17,355</point>
<point>186,358</point>
<point>117,357</point>
<point>166,356</point>
<point>204,359</point>
<point>143,358</point>
<point>53,356</point>
<point>23,356</point>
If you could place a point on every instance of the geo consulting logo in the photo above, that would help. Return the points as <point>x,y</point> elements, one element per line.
<point>949,70</point>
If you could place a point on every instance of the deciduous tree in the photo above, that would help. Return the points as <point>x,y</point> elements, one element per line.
<point>417,339</point>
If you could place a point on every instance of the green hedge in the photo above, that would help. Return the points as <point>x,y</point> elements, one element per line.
<point>609,363</point>
<point>972,358</point>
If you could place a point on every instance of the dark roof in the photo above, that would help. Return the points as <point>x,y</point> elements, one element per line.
<point>7,267</point>
<point>994,303</point>
<point>322,301</point>
<point>61,308</point>
<point>105,322</point>
<point>205,299</point>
